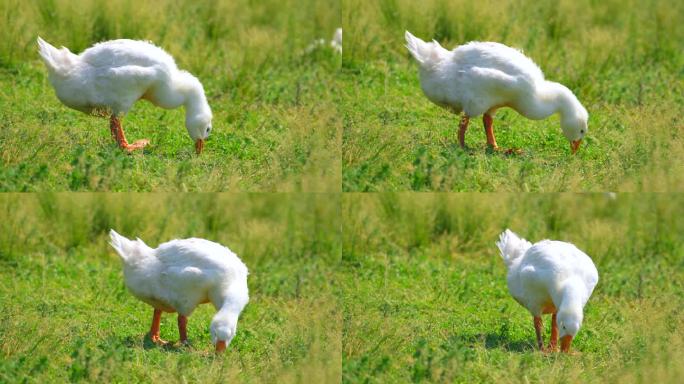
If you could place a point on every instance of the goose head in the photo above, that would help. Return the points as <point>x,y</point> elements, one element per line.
<point>198,114</point>
<point>223,328</point>
<point>199,128</point>
<point>574,126</point>
<point>569,322</point>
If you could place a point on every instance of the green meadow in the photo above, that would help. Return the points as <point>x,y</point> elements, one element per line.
<point>67,316</point>
<point>275,128</point>
<point>402,284</point>
<point>425,295</point>
<point>623,59</point>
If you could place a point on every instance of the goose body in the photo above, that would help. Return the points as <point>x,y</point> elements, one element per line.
<point>109,77</point>
<point>179,275</point>
<point>336,42</point>
<point>479,77</point>
<point>549,277</point>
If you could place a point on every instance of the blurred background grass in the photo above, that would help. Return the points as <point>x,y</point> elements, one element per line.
<point>275,121</point>
<point>623,59</point>
<point>425,295</point>
<point>67,316</point>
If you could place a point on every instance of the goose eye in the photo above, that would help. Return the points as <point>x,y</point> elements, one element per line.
<point>582,131</point>
<point>208,130</point>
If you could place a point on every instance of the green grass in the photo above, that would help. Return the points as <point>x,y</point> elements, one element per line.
<point>276,126</point>
<point>425,295</point>
<point>362,288</point>
<point>67,317</point>
<point>624,61</point>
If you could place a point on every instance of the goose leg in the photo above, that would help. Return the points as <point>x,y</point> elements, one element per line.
<point>120,137</point>
<point>538,330</point>
<point>553,342</point>
<point>462,126</point>
<point>154,331</point>
<point>489,130</point>
<point>182,328</point>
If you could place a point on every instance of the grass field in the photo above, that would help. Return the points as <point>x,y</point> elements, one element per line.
<point>67,317</point>
<point>276,126</point>
<point>623,59</point>
<point>425,296</point>
<point>399,285</point>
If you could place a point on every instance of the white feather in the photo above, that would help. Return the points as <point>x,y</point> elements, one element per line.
<point>480,77</point>
<point>511,246</point>
<point>111,76</point>
<point>549,277</point>
<point>179,275</point>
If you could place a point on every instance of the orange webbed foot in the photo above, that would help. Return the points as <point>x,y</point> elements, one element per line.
<point>157,340</point>
<point>551,349</point>
<point>139,144</point>
<point>513,151</point>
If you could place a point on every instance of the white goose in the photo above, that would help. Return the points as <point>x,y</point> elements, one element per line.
<point>479,77</point>
<point>336,42</point>
<point>549,277</point>
<point>109,77</point>
<point>179,275</point>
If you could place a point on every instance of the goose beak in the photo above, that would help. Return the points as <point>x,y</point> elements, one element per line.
<point>199,145</point>
<point>575,145</point>
<point>565,343</point>
<point>220,346</point>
